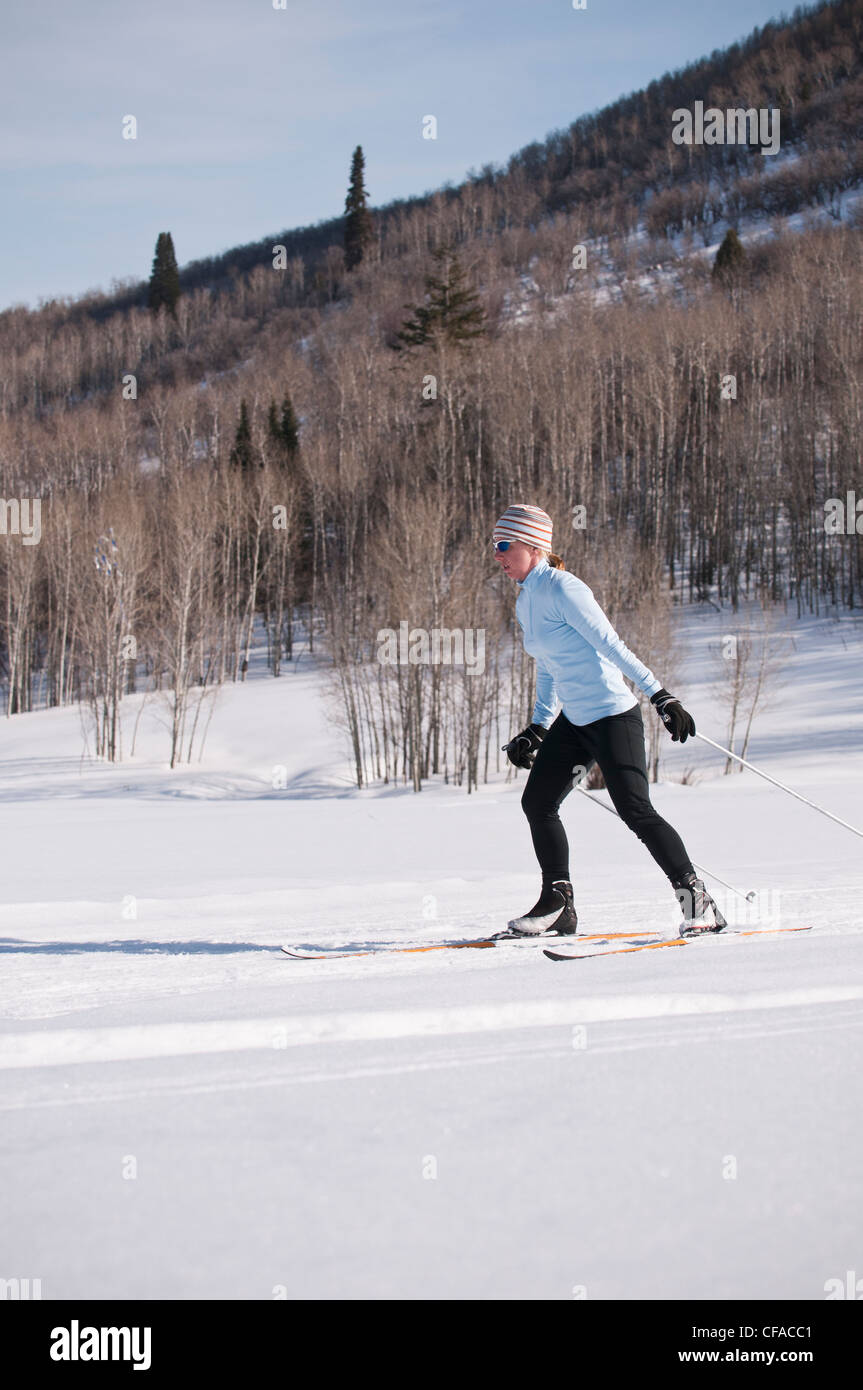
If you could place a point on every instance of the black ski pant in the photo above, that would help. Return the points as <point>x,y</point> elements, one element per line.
<point>566,753</point>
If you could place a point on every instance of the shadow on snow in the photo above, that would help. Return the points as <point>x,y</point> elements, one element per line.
<point>16,946</point>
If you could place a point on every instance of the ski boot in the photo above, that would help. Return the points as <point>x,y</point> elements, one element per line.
<point>700,912</point>
<point>553,915</point>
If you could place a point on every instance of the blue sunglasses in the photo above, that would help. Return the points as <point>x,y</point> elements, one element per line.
<point>500,547</point>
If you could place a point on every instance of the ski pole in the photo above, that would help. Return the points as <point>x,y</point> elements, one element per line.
<point>747,897</point>
<point>781,785</point>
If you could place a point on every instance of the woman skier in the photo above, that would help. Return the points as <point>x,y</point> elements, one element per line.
<point>579,660</point>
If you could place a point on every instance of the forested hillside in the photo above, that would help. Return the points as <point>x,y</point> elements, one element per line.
<point>280,453</point>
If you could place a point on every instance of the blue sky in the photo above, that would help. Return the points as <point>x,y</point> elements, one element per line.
<point>247,115</point>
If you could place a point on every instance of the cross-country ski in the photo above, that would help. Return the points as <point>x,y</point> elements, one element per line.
<point>669,941</point>
<point>500,939</point>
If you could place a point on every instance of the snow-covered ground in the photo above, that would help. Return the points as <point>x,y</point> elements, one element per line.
<point>189,1113</point>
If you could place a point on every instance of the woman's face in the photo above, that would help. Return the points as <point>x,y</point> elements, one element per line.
<point>518,561</point>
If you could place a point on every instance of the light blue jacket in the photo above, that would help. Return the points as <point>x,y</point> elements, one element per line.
<point>579,656</point>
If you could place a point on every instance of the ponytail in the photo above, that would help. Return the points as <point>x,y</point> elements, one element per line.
<point>555,560</point>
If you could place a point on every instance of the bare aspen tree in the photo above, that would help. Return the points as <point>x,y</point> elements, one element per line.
<point>750,659</point>
<point>186,626</point>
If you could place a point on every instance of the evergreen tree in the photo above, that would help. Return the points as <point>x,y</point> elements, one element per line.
<point>730,263</point>
<point>165,277</point>
<point>284,429</point>
<point>290,428</point>
<point>359,225</point>
<point>243,452</point>
<point>452,313</point>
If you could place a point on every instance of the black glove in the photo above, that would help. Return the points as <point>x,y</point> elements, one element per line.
<point>677,720</point>
<point>521,750</point>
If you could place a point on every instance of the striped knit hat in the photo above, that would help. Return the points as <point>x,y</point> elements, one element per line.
<point>530,525</point>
